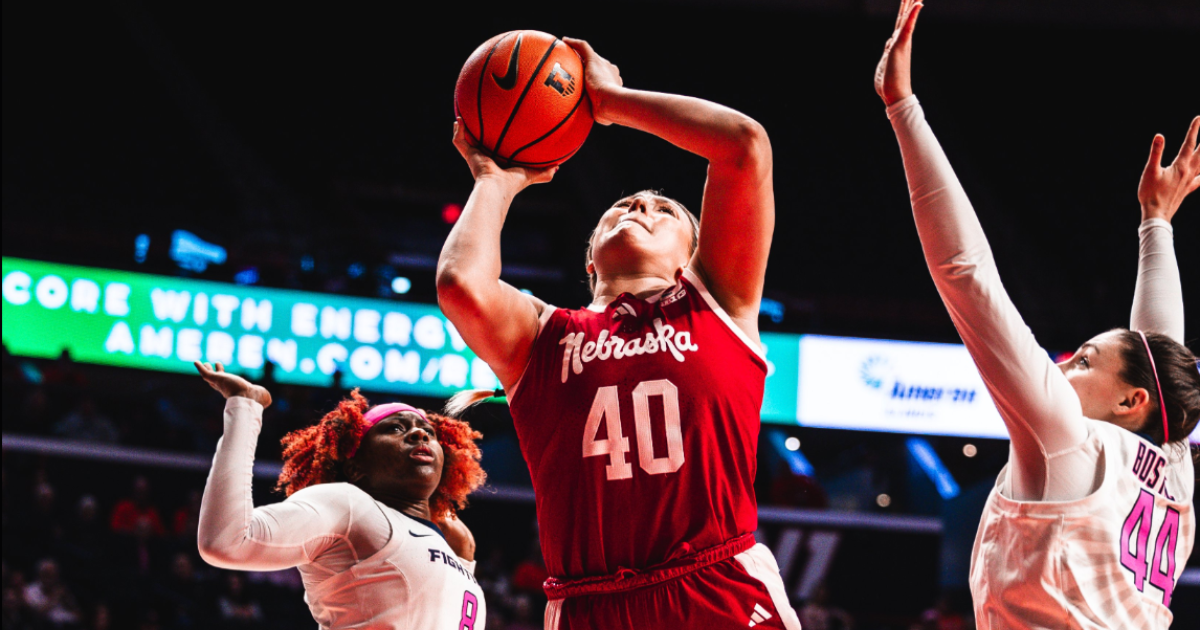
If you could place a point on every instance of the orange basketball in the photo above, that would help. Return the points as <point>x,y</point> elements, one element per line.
<point>521,97</point>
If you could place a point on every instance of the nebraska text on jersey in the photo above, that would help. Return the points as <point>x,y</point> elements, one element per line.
<point>664,339</point>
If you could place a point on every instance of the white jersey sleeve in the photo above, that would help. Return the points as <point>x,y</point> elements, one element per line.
<point>330,526</point>
<point>1051,457</point>
<point>1158,296</point>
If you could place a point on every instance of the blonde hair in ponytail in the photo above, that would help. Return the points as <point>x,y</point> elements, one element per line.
<point>459,403</point>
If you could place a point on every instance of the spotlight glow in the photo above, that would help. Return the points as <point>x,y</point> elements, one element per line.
<point>141,245</point>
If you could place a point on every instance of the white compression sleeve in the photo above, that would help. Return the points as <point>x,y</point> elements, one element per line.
<point>330,524</point>
<point>1039,406</point>
<point>1158,296</point>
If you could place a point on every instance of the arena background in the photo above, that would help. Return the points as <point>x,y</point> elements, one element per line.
<point>276,147</point>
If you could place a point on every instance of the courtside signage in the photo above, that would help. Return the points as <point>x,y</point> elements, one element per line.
<point>165,323</point>
<point>895,386</point>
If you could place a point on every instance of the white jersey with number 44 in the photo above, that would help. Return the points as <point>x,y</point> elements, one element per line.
<point>1110,560</point>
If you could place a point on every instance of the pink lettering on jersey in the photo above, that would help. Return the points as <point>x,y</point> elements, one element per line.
<point>577,351</point>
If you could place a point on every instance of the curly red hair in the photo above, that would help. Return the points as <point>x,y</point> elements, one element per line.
<point>314,455</point>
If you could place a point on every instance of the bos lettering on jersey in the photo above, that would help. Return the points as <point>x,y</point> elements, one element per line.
<point>1148,468</point>
<point>577,351</point>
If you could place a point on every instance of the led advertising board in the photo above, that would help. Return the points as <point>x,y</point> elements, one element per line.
<point>165,323</point>
<point>896,386</point>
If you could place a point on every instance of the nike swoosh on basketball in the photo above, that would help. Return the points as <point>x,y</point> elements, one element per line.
<point>509,80</point>
<point>416,535</point>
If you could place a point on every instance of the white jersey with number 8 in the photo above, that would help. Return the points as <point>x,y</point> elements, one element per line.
<point>364,564</point>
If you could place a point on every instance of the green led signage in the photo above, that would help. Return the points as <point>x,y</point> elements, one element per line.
<point>164,323</point>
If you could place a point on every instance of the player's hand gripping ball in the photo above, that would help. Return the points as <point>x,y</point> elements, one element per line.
<point>521,97</point>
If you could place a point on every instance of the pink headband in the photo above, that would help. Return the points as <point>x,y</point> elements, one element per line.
<point>377,413</point>
<point>1161,403</point>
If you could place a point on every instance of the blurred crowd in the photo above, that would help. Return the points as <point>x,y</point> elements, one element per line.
<point>79,553</point>
<point>82,553</point>
<point>83,550</point>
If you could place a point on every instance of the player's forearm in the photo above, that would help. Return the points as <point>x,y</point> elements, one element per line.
<point>228,503</point>
<point>1031,393</point>
<point>232,533</point>
<point>470,261</point>
<point>956,249</point>
<point>715,132</point>
<point>498,322</point>
<point>1158,295</point>
<point>946,221</point>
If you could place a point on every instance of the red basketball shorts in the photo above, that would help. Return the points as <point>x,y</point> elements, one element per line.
<point>741,591</point>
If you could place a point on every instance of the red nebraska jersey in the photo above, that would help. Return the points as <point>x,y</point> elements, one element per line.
<point>639,423</point>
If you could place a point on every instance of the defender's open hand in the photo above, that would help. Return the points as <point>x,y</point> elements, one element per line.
<point>1163,189</point>
<point>231,385</point>
<point>893,77</point>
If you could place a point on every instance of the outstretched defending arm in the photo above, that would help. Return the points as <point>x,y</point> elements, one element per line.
<point>234,534</point>
<point>1158,296</point>
<point>497,321</point>
<point>1038,405</point>
<point>737,218</point>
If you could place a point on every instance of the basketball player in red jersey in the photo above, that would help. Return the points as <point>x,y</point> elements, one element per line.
<point>638,415</point>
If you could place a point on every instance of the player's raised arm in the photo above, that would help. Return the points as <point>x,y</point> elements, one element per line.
<point>496,320</point>
<point>738,215</point>
<point>233,534</point>
<point>1037,402</point>
<point>1158,296</point>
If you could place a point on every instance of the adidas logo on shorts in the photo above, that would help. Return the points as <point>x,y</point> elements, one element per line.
<point>759,615</point>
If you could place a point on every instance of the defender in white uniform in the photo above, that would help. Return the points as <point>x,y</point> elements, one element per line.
<point>1091,523</point>
<point>365,564</point>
